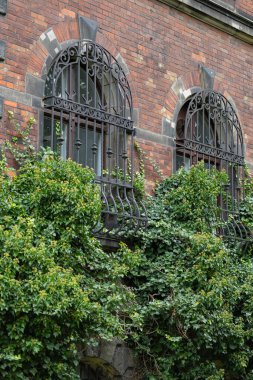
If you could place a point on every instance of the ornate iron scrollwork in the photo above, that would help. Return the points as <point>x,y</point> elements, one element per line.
<point>88,117</point>
<point>211,132</point>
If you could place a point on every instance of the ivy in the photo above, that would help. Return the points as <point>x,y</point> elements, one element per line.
<point>58,288</point>
<point>189,313</point>
<point>194,292</point>
<point>21,145</point>
<point>144,157</point>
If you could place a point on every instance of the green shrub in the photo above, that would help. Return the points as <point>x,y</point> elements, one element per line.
<point>58,287</point>
<point>195,293</point>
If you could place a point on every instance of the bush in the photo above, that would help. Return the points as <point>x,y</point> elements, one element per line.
<point>195,293</point>
<point>58,287</point>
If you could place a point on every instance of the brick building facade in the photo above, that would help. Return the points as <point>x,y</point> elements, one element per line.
<point>169,50</point>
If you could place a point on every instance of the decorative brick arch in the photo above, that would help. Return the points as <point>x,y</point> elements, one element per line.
<point>73,28</point>
<point>187,85</point>
<point>182,88</point>
<point>62,34</point>
<point>64,31</point>
<point>57,38</point>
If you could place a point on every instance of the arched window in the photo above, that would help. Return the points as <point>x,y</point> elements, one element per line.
<point>208,129</point>
<point>88,118</point>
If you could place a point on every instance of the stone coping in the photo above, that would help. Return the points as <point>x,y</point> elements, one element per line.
<point>218,14</point>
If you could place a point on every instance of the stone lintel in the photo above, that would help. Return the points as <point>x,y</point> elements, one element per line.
<point>155,137</point>
<point>20,97</point>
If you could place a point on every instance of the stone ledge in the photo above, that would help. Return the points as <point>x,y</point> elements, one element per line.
<point>34,86</point>
<point>227,19</point>
<point>20,97</point>
<point>155,137</point>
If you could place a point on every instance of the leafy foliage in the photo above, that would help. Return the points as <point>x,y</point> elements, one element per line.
<point>57,286</point>
<point>246,206</point>
<point>195,293</point>
<point>194,317</point>
<point>20,145</point>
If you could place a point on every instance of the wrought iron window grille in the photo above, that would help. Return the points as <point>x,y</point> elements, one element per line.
<point>209,130</point>
<point>88,118</point>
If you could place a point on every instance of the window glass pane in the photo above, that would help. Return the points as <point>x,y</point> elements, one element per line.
<point>47,132</point>
<point>47,135</point>
<point>182,162</point>
<point>204,130</point>
<point>86,155</point>
<point>64,143</point>
<point>209,165</point>
<point>89,94</point>
<point>62,88</point>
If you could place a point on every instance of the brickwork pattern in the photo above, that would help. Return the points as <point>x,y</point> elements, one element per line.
<point>245,5</point>
<point>162,49</point>
<point>159,45</point>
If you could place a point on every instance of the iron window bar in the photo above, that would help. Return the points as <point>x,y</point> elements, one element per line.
<point>88,118</point>
<point>210,130</point>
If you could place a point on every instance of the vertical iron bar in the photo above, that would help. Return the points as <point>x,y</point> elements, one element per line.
<point>94,147</point>
<point>132,158</point>
<point>197,142</point>
<point>52,130</point>
<point>109,148</point>
<point>87,99</point>
<point>103,103</point>
<point>78,141</point>
<point>210,142</point>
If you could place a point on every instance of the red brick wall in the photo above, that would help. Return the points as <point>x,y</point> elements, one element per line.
<point>245,5</point>
<point>159,44</point>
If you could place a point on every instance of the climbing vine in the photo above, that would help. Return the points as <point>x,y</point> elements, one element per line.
<point>194,292</point>
<point>58,288</point>
<point>144,157</point>
<point>183,297</point>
